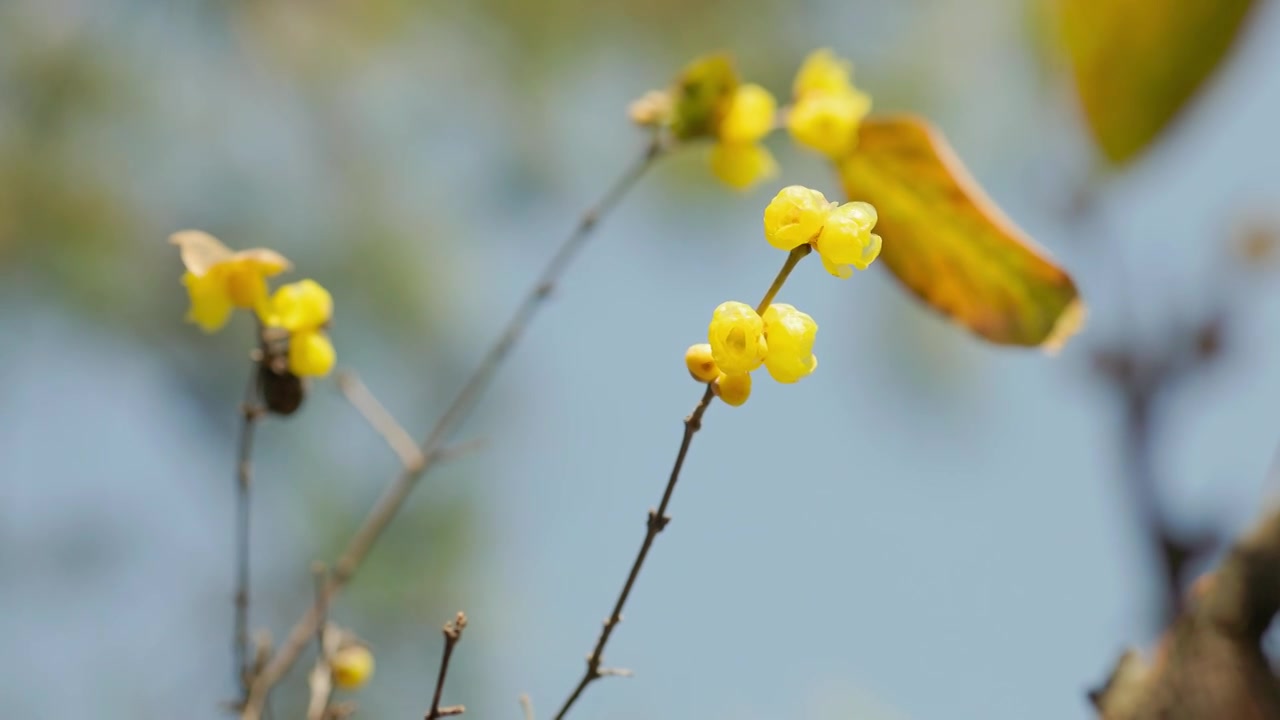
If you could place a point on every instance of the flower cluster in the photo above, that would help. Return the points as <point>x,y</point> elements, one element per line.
<point>218,281</point>
<point>827,108</point>
<point>741,339</point>
<point>709,101</point>
<point>841,234</point>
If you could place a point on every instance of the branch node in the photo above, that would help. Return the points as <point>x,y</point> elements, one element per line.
<point>657,523</point>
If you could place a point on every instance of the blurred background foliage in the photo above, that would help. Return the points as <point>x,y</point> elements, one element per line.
<point>421,159</point>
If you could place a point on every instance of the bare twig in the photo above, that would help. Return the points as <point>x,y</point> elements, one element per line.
<point>1141,381</point>
<point>250,411</point>
<point>452,635</point>
<point>393,498</point>
<point>526,707</point>
<point>321,679</point>
<point>380,419</point>
<point>658,519</point>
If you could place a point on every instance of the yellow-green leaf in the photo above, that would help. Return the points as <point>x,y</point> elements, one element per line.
<point>950,245</point>
<point>1138,62</point>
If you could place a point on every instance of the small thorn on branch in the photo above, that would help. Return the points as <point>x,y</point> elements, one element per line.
<point>614,672</point>
<point>452,635</point>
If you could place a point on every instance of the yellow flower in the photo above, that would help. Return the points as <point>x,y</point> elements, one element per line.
<point>733,389</point>
<point>841,234</point>
<point>827,108</point>
<point>829,123</point>
<point>750,116</point>
<point>303,309</point>
<point>738,159</point>
<point>741,165</point>
<point>700,363</point>
<point>219,280</point>
<point>823,72</point>
<point>794,217</point>
<point>846,239</point>
<point>736,335</point>
<point>352,666</point>
<point>790,334</point>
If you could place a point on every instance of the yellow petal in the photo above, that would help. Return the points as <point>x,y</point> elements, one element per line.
<point>245,284</point>
<point>751,115</point>
<point>794,216</point>
<point>824,72</point>
<point>311,354</point>
<point>200,250</point>
<point>790,334</point>
<point>742,165</point>
<point>267,262</point>
<point>210,303</point>
<point>736,336</point>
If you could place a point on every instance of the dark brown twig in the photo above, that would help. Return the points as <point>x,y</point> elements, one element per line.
<point>398,491</point>
<point>452,635</point>
<point>250,411</point>
<point>658,519</point>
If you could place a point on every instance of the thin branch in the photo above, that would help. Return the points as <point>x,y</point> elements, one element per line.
<point>380,419</point>
<point>658,518</point>
<point>394,497</point>
<point>656,523</point>
<point>452,635</point>
<point>526,707</point>
<point>250,411</point>
<point>321,680</point>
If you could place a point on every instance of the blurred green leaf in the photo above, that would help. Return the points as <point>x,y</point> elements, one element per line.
<point>1138,62</point>
<point>950,245</point>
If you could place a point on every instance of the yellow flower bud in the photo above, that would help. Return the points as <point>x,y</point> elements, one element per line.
<point>794,217</point>
<point>733,389</point>
<point>352,666</point>
<point>651,109</point>
<point>847,239</point>
<point>828,122</point>
<point>303,305</point>
<point>823,72</point>
<point>311,353</point>
<point>790,334</point>
<point>742,165</point>
<point>736,335</point>
<point>750,116</point>
<point>700,363</point>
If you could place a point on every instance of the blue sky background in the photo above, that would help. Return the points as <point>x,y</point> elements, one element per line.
<point>929,527</point>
